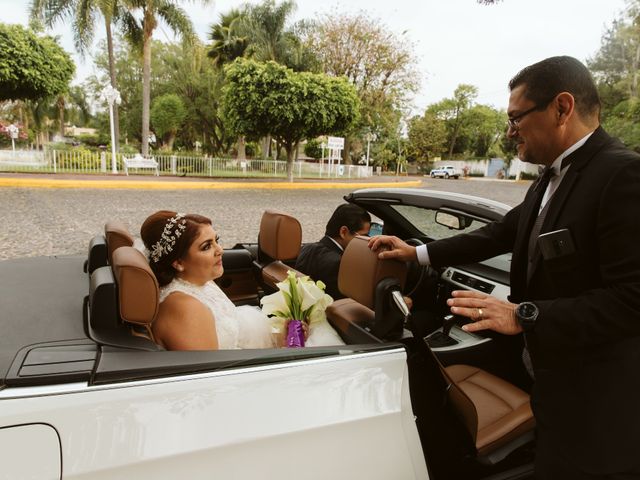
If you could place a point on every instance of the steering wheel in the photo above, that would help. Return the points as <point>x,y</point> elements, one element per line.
<point>415,272</point>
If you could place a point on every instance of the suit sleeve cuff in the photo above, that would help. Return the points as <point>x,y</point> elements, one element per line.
<point>423,255</point>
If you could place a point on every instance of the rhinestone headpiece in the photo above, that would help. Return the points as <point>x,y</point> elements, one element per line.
<point>173,229</point>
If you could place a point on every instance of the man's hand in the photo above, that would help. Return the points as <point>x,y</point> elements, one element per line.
<point>487,312</point>
<point>392,247</point>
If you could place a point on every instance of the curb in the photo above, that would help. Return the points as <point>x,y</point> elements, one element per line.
<point>150,185</point>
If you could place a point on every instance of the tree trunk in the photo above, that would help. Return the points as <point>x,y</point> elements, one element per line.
<point>454,134</point>
<point>171,138</point>
<point>291,153</point>
<point>112,75</point>
<point>148,26</point>
<point>60,105</point>
<point>265,143</point>
<point>242,152</point>
<point>346,153</point>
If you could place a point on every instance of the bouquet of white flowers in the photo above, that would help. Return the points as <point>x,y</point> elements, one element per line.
<point>298,300</point>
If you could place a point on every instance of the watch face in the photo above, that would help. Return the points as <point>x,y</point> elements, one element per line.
<point>527,310</point>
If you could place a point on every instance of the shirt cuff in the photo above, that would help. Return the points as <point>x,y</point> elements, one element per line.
<point>423,255</point>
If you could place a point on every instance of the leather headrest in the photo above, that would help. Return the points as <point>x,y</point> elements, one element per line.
<point>280,235</point>
<point>361,270</point>
<point>138,291</point>
<point>117,236</point>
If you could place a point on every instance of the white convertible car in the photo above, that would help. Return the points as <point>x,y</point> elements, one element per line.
<point>85,394</point>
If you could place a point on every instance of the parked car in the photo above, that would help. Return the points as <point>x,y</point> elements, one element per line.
<point>446,172</point>
<point>84,395</point>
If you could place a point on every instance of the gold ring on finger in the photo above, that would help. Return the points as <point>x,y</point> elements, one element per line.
<point>480,315</point>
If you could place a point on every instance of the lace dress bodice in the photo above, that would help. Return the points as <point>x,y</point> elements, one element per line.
<point>236,327</point>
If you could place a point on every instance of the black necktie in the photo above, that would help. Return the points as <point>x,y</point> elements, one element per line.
<point>539,216</point>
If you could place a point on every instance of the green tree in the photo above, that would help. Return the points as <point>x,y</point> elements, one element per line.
<point>485,127</point>
<point>31,67</point>
<point>82,15</point>
<point>377,62</point>
<point>228,40</point>
<point>266,28</point>
<point>427,137</point>
<point>260,32</point>
<point>270,99</point>
<point>454,111</point>
<point>616,69</point>
<point>141,30</point>
<point>167,115</point>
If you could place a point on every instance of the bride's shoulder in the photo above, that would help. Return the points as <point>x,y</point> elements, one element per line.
<point>182,305</point>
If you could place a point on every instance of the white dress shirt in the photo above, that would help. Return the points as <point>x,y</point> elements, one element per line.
<point>423,254</point>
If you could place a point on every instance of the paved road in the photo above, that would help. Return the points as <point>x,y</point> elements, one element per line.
<point>43,221</point>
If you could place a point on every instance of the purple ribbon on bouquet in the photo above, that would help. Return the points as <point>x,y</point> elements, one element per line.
<point>295,334</point>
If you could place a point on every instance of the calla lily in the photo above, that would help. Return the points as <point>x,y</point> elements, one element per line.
<point>298,298</point>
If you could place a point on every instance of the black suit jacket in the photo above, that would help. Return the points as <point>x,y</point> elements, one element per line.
<point>585,347</point>
<point>321,261</point>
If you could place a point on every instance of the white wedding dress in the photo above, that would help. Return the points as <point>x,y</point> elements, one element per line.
<point>244,326</point>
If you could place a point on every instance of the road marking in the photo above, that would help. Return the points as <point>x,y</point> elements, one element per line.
<point>170,185</point>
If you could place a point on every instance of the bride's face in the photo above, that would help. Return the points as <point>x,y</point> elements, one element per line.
<point>203,261</point>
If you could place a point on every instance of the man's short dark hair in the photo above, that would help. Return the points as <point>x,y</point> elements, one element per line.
<point>546,79</point>
<point>351,216</point>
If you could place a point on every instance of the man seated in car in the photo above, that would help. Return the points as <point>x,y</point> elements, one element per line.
<point>321,260</point>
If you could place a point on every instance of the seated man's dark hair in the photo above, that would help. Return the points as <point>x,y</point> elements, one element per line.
<point>551,76</point>
<point>351,216</point>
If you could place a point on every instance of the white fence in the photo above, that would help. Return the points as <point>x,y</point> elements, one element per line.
<point>483,167</point>
<point>84,162</point>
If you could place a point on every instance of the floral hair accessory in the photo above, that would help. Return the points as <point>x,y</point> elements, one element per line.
<point>173,229</point>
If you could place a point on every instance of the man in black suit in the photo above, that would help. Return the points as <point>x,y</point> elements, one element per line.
<point>575,292</point>
<point>321,260</point>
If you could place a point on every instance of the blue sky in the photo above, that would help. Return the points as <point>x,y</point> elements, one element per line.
<point>455,41</point>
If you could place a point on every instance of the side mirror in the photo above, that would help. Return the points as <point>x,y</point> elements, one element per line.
<point>452,221</point>
<point>375,229</point>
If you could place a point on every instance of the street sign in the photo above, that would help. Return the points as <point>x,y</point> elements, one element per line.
<point>335,143</point>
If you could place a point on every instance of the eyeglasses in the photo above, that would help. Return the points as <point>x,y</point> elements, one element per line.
<point>514,122</point>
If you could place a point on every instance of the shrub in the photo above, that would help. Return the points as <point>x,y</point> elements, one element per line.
<point>313,149</point>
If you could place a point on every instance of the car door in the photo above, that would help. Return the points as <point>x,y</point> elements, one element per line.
<point>312,414</point>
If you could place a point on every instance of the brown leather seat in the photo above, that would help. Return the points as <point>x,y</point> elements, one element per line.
<point>138,291</point>
<point>117,235</point>
<point>496,413</point>
<point>367,314</point>
<point>279,241</point>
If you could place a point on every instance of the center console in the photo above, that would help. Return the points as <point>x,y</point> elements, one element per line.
<point>451,338</point>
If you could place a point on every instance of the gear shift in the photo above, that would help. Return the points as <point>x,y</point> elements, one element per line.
<point>448,322</point>
<point>442,339</point>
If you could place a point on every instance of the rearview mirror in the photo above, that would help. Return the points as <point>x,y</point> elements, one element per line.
<point>452,221</point>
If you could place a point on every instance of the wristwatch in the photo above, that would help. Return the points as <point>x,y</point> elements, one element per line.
<point>526,315</point>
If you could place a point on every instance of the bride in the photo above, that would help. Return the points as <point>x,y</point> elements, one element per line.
<point>194,313</point>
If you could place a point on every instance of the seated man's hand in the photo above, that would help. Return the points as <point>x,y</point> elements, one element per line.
<point>387,246</point>
<point>408,301</point>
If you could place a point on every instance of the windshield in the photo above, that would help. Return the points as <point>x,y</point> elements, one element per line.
<point>424,219</point>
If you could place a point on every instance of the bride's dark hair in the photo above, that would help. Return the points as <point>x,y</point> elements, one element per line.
<point>151,232</point>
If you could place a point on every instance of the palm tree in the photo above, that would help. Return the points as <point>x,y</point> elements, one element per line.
<point>151,11</point>
<point>264,26</point>
<point>228,41</point>
<point>266,29</point>
<point>82,14</point>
